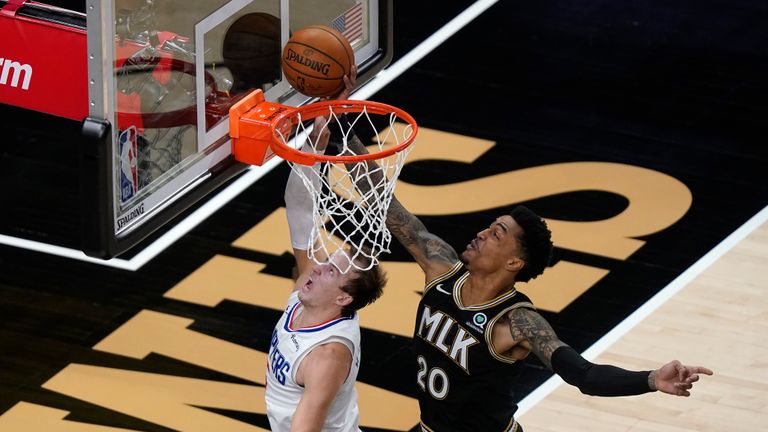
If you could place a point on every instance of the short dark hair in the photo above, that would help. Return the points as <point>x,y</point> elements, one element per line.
<point>535,242</point>
<point>365,287</point>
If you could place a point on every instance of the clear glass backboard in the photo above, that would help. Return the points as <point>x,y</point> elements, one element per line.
<point>162,76</point>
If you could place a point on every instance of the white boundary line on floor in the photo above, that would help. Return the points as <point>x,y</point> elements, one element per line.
<point>651,305</point>
<point>254,173</point>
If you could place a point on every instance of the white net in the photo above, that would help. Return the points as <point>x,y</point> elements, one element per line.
<point>351,198</point>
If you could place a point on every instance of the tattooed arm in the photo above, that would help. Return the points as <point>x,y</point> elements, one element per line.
<point>528,327</point>
<point>432,253</point>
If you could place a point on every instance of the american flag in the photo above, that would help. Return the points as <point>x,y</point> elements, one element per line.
<point>350,23</point>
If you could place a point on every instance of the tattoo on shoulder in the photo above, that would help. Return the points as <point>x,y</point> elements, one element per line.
<point>525,324</point>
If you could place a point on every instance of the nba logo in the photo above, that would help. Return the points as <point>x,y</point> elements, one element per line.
<point>129,176</point>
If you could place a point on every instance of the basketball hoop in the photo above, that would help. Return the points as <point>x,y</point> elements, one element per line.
<point>351,191</point>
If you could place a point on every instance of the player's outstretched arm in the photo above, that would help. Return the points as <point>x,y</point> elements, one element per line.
<point>298,202</point>
<point>322,374</point>
<point>432,253</point>
<point>529,327</point>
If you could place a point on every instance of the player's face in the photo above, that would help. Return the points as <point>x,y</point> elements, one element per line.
<point>495,247</point>
<point>325,281</point>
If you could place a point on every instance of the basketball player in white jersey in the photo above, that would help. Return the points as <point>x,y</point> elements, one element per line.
<point>314,354</point>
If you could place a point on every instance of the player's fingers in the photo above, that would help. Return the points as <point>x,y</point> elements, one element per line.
<point>700,370</point>
<point>682,373</point>
<point>349,82</point>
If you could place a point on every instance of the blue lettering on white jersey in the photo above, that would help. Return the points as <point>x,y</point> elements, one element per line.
<point>278,365</point>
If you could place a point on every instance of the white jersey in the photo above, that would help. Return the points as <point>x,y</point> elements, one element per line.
<point>288,348</point>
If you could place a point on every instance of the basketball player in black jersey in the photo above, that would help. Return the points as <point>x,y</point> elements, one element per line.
<point>473,327</point>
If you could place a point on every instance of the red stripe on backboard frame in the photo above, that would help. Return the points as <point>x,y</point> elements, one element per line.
<point>45,69</point>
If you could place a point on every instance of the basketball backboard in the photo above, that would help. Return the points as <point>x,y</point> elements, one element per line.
<point>162,76</point>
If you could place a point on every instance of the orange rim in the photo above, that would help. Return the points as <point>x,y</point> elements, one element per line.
<point>311,111</point>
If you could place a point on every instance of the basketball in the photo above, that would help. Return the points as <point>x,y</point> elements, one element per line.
<point>315,60</point>
<point>251,50</point>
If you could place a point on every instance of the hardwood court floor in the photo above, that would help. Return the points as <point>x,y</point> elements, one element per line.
<point>697,325</point>
<point>636,129</point>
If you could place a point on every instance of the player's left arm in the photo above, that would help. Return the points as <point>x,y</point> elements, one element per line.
<point>321,373</point>
<point>595,379</point>
<point>298,207</point>
<point>298,202</point>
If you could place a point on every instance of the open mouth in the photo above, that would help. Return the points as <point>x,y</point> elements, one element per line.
<point>307,286</point>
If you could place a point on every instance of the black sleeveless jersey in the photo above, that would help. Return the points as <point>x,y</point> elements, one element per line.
<point>464,385</point>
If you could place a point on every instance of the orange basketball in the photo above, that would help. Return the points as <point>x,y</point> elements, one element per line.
<point>315,60</point>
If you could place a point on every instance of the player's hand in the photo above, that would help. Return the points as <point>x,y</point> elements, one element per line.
<point>349,85</point>
<point>677,379</point>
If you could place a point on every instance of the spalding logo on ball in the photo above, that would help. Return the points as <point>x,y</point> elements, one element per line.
<point>315,60</point>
